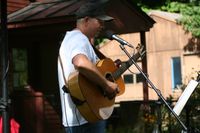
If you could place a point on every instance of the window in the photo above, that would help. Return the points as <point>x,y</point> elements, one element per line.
<point>128,78</point>
<point>176,72</point>
<point>133,78</point>
<point>139,78</point>
<point>20,72</point>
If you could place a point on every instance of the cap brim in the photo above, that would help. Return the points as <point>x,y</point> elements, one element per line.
<point>105,17</point>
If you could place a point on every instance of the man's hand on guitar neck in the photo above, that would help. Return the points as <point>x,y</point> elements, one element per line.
<point>118,63</point>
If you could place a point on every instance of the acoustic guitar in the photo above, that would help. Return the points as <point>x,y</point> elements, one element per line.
<point>88,97</point>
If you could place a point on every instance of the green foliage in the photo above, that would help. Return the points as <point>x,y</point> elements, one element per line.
<point>173,7</point>
<point>190,16</point>
<point>189,9</point>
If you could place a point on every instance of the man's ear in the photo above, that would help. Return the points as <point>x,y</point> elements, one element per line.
<point>86,19</point>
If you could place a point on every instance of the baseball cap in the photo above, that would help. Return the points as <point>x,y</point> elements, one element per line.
<point>93,9</point>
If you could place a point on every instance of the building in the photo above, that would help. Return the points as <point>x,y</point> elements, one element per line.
<point>35,32</point>
<point>172,61</point>
<point>173,52</point>
<point>172,58</point>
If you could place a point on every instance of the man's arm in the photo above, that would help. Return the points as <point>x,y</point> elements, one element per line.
<point>88,69</point>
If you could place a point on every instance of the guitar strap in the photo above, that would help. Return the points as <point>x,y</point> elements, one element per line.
<point>98,53</point>
<point>77,101</point>
<point>65,88</point>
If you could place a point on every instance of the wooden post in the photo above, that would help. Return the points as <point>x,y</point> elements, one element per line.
<point>144,67</point>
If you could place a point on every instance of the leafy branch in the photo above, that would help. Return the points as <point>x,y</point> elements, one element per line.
<point>190,12</point>
<point>190,16</point>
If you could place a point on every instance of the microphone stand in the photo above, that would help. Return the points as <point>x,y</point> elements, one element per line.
<point>154,88</point>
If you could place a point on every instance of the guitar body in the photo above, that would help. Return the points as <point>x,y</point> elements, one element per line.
<point>92,104</point>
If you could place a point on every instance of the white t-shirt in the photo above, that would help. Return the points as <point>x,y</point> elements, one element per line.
<point>74,42</point>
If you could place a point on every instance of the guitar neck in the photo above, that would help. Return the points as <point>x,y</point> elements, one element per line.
<point>125,65</point>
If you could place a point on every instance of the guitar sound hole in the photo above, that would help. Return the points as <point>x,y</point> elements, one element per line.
<point>109,77</point>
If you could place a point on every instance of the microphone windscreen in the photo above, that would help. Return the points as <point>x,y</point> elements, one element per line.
<point>109,34</point>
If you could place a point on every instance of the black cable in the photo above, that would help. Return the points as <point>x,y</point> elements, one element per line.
<point>76,116</point>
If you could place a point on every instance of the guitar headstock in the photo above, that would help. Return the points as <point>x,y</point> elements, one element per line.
<point>140,50</point>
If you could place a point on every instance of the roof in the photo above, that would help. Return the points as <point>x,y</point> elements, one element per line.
<point>128,18</point>
<point>45,9</point>
<point>174,17</point>
<point>14,5</point>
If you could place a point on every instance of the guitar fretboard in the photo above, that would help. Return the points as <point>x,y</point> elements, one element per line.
<point>125,65</point>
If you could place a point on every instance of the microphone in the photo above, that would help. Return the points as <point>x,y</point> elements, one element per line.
<point>110,35</point>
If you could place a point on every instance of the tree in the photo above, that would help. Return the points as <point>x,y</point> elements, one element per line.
<point>190,16</point>
<point>189,9</point>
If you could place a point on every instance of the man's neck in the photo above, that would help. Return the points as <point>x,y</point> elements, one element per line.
<point>81,29</point>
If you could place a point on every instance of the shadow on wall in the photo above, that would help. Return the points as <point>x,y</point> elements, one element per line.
<point>193,45</point>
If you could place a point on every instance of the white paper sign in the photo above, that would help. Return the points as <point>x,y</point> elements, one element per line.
<point>185,96</point>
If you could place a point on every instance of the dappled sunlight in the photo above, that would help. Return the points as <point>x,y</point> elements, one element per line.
<point>193,46</point>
